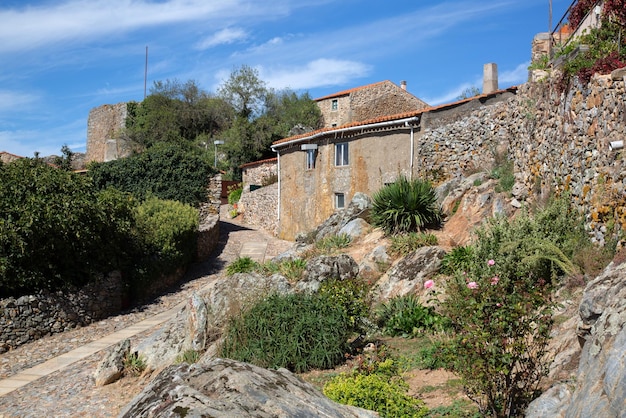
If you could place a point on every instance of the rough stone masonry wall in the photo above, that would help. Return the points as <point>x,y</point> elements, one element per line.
<point>259,208</point>
<point>208,228</point>
<point>259,174</point>
<point>558,142</point>
<point>28,318</point>
<point>103,127</point>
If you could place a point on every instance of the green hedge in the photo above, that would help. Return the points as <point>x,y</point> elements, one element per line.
<point>55,230</point>
<point>166,171</point>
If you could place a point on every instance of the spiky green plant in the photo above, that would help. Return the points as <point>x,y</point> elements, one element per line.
<point>405,206</point>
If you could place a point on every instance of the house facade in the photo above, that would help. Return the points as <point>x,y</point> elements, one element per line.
<point>319,172</point>
<point>367,102</point>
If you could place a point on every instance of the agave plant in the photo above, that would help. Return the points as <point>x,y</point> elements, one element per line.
<point>405,206</point>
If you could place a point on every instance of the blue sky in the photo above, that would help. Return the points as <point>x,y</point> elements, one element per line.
<point>61,58</point>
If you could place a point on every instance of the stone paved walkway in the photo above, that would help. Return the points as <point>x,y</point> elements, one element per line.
<point>52,377</point>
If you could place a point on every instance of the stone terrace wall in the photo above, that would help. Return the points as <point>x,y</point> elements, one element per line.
<point>28,318</point>
<point>558,142</point>
<point>208,229</point>
<point>259,207</point>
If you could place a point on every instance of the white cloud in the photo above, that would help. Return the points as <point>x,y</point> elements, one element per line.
<point>318,73</point>
<point>79,20</point>
<point>512,77</point>
<point>15,101</point>
<point>225,36</point>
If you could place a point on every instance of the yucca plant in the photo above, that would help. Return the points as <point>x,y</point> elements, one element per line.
<point>405,206</point>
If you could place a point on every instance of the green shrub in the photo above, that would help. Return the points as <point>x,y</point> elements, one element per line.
<point>292,269</point>
<point>166,171</point>
<point>500,305</point>
<point>406,316</point>
<point>403,244</point>
<point>168,229</point>
<point>405,206</point>
<point>234,193</point>
<point>242,265</point>
<point>56,230</point>
<point>505,175</point>
<point>333,242</point>
<point>188,356</point>
<point>299,332</point>
<point>134,364</point>
<point>376,392</point>
<point>458,259</point>
<point>351,295</point>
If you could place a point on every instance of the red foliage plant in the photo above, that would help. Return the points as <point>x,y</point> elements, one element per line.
<point>616,9</point>
<point>602,66</point>
<point>580,10</point>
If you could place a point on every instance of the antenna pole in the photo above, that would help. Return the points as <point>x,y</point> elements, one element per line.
<point>145,75</point>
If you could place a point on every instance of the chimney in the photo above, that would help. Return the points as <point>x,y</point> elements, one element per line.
<point>403,84</point>
<point>490,78</point>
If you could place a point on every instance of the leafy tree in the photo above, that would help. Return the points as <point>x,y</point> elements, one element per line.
<point>245,91</point>
<point>166,171</point>
<point>176,112</point>
<point>65,162</point>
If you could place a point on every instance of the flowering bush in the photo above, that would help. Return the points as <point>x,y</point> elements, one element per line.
<point>501,331</point>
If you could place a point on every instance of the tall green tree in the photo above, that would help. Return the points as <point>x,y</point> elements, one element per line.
<point>245,92</point>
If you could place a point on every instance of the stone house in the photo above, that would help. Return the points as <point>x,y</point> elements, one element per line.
<point>7,157</point>
<point>367,102</point>
<point>319,172</point>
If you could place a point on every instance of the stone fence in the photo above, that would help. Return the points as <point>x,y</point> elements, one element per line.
<point>28,318</point>
<point>259,207</point>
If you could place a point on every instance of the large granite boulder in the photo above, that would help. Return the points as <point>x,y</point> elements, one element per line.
<point>599,389</point>
<point>408,274</point>
<point>358,208</point>
<point>227,388</point>
<point>326,267</point>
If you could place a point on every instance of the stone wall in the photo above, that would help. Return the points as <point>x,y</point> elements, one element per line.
<point>28,318</point>
<point>259,207</point>
<point>259,173</point>
<point>208,229</point>
<point>103,133</point>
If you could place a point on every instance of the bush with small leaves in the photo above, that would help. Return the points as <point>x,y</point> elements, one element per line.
<point>405,206</point>
<point>297,331</point>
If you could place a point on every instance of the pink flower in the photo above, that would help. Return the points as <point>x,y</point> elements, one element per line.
<point>495,280</point>
<point>491,262</point>
<point>498,305</point>
<point>472,285</point>
<point>428,284</point>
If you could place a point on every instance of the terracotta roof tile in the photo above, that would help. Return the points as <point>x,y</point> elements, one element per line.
<point>253,163</point>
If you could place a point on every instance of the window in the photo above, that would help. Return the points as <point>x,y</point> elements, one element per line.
<point>310,159</point>
<point>334,104</point>
<point>340,201</point>
<point>341,154</point>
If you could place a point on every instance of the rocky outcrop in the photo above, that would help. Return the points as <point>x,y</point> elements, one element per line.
<point>325,267</point>
<point>359,207</point>
<point>227,388</point>
<point>111,367</point>
<point>408,274</point>
<point>600,385</point>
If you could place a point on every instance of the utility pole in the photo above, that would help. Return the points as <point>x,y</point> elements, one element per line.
<point>145,75</point>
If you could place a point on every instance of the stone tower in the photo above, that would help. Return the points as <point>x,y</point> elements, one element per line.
<point>104,126</point>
